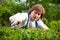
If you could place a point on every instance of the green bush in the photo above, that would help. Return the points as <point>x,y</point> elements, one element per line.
<point>4,15</point>
<point>7,33</point>
<point>55,25</point>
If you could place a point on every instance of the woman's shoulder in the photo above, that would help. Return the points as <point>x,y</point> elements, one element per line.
<point>21,13</point>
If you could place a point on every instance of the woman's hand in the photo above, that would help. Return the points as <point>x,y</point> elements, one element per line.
<point>15,20</point>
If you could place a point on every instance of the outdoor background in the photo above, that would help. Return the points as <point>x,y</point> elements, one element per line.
<point>51,19</point>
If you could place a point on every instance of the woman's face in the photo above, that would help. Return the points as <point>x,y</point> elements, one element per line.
<point>35,15</point>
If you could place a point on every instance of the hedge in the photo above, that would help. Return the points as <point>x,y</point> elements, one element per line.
<point>8,33</point>
<point>55,25</point>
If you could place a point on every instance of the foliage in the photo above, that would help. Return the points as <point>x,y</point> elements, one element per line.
<point>27,34</point>
<point>55,25</point>
<point>4,15</point>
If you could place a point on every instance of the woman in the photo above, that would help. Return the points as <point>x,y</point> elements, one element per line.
<point>31,19</point>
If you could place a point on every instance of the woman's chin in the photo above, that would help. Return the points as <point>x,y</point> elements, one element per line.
<point>34,20</point>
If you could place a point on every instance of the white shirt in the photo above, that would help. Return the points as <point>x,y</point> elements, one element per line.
<point>23,17</point>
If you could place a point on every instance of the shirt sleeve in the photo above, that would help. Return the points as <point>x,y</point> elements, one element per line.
<point>19,17</point>
<point>41,24</point>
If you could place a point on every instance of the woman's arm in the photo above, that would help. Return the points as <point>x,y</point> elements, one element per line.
<point>42,25</point>
<point>17,19</point>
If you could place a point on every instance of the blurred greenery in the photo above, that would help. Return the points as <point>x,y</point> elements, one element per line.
<point>51,19</point>
<point>7,33</point>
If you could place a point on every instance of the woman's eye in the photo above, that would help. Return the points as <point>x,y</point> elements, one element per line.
<point>38,14</point>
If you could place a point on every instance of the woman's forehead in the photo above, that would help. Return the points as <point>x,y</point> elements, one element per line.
<point>39,12</point>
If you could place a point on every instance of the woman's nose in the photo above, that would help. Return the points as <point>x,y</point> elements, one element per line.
<point>36,15</point>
